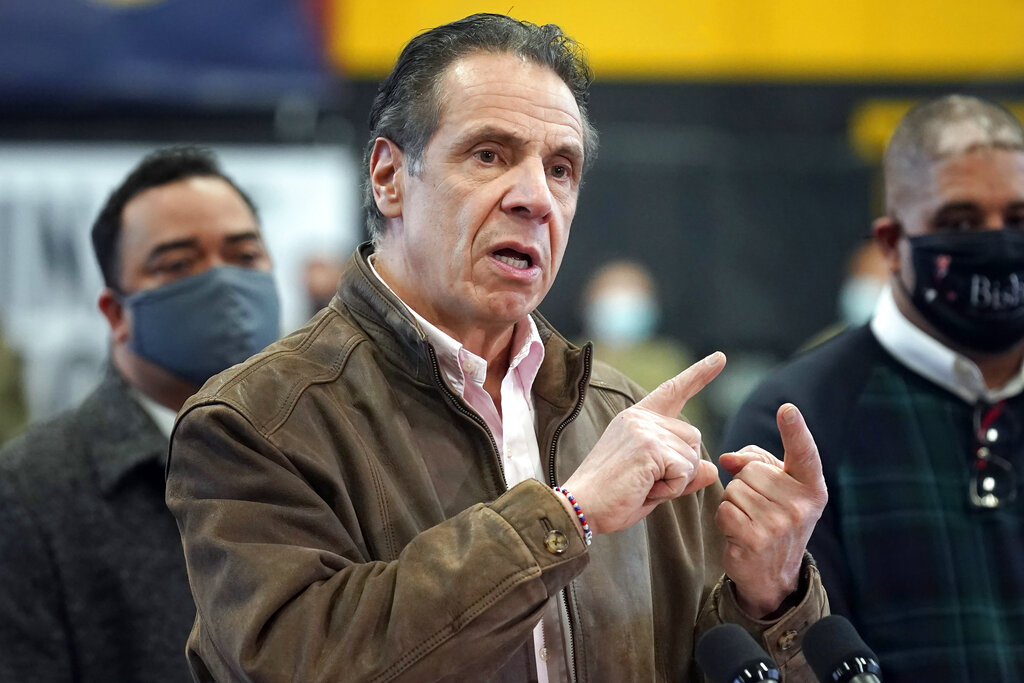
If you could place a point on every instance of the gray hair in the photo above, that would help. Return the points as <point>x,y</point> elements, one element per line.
<point>407,108</point>
<point>941,128</point>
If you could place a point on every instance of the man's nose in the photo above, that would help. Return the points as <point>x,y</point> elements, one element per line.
<point>994,221</point>
<point>529,195</point>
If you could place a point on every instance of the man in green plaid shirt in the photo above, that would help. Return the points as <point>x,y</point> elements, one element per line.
<point>919,415</point>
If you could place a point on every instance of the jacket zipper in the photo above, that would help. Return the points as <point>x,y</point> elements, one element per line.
<point>467,412</point>
<point>577,409</point>
<point>554,482</point>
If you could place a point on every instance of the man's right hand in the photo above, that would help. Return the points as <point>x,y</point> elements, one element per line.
<point>647,455</point>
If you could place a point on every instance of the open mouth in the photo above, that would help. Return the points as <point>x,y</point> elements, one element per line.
<point>514,258</point>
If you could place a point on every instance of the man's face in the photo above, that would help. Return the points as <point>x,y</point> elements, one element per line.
<point>177,230</point>
<point>184,228</point>
<point>478,233</point>
<point>982,189</point>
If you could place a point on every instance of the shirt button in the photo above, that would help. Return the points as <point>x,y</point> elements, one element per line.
<point>544,654</point>
<point>556,542</point>
<point>787,640</point>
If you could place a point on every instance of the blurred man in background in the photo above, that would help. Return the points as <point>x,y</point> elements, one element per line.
<point>920,416</point>
<point>374,498</point>
<point>92,580</point>
<point>867,274</point>
<point>621,315</point>
<point>320,277</point>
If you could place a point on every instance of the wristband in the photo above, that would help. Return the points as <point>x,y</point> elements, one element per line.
<point>587,533</point>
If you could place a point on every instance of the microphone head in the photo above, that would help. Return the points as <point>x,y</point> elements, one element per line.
<point>728,654</point>
<point>836,651</point>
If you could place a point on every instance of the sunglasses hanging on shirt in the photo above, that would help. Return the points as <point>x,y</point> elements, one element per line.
<point>993,482</point>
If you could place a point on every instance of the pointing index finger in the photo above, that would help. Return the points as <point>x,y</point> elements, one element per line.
<point>671,395</point>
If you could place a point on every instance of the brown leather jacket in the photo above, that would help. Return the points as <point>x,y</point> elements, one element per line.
<point>345,518</point>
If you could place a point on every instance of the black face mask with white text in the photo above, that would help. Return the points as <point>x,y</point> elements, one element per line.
<point>970,286</point>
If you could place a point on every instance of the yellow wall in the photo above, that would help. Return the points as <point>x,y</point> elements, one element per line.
<point>788,39</point>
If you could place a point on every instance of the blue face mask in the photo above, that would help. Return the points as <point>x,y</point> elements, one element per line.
<point>200,325</point>
<point>622,317</point>
<point>858,297</point>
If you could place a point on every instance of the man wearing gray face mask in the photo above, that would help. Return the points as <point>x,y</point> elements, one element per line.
<point>920,415</point>
<point>92,580</point>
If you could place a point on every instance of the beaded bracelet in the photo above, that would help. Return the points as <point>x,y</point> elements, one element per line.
<point>587,533</point>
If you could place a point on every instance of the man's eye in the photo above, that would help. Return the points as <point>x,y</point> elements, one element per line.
<point>247,258</point>
<point>178,267</point>
<point>560,172</point>
<point>487,156</point>
<point>1015,221</point>
<point>956,224</point>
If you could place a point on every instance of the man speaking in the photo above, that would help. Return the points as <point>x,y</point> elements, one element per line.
<point>407,488</point>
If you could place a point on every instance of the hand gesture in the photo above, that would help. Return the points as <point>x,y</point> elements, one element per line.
<point>647,455</point>
<point>769,512</point>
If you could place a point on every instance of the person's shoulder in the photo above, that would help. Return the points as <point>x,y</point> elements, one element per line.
<point>267,385</point>
<point>824,382</point>
<point>840,361</point>
<point>49,454</point>
<point>605,378</point>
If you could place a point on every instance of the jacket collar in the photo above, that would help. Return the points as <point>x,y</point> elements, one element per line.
<point>390,326</point>
<point>121,436</point>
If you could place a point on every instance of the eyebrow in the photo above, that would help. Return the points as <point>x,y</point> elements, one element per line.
<point>961,204</point>
<point>158,250</point>
<point>192,243</point>
<point>973,206</point>
<point>249,236</point>
<point>504,137</point>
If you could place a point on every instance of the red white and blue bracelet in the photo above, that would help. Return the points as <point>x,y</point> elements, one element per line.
<point>587,533</point>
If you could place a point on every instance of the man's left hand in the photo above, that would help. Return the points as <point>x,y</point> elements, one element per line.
<point>769,512</point>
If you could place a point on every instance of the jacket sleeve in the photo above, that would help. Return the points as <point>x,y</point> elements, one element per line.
<point>781,638</point>
<point>284,591</point>
<point>33,637</point>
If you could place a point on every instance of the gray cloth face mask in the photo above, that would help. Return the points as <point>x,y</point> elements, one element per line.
<point>197,326</point>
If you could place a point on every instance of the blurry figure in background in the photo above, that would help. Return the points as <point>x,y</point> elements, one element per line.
<point>92,579</point>
<point>621,314</point>
<point>920,415</point>
<point>321,275</point>
<point>867,274</point>
<point>13,412</point>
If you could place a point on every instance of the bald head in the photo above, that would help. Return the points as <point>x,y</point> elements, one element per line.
<point>939,129</point>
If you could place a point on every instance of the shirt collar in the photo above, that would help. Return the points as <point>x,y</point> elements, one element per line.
<point>162,416</point>
<point>121,433</point>
<point>460,364</point>
<point>933,360</point>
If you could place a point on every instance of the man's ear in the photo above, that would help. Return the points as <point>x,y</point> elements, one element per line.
<point>116,314</point>
<point>887,231</point>
<point>387,174</point>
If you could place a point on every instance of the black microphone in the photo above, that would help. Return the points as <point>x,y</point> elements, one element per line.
<point>837,654</point>
<point>727,654</point>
